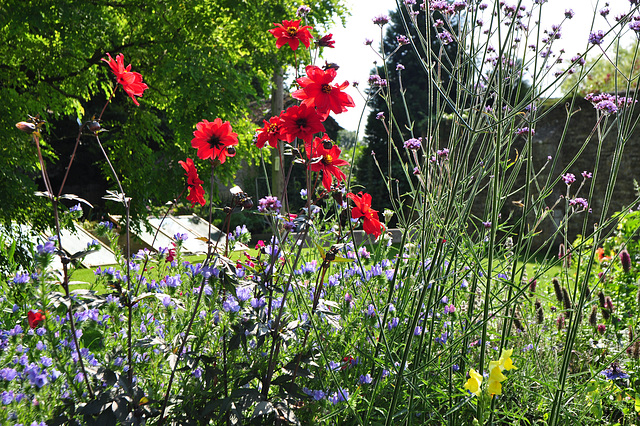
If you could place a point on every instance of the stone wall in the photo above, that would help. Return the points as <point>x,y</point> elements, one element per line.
<point>580,128</point>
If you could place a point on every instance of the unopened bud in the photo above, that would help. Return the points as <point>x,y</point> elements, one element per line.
<point>26,127</point>
<point>247,203</point>
<point>94,126</point>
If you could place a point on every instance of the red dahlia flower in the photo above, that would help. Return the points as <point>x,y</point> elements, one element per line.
<point>317,92</point>
<point>212,140</point>
<point>371,224</point>
<point>131,81</point>
<point>300,122</point>
<point>269,133</point>
<point>196,191</point>
<point>326,160</point>
<point>35,318</point>
<point>290,32</point>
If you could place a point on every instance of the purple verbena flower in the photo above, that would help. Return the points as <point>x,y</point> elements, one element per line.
<point>524,131</point>
<point>607,107</point>
<point>596,37</point>
<point>269,204</point>
<point>580,202</point>
<point>569,178</point>
<point>402,40</point>
<point>445,37</point>
<point>381,20</point>
<point>303,11</point>
<point>413,144</point>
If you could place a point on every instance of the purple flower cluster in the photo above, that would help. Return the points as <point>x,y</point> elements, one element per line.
<point>596,37</point>
<point>376,80</point>
<point>524,131</point>
<point>303,11</point>
<point>381,20</point>
<point>569,178</point>
<point>579,202</point>
<point>269,204</point>
<point>443,153</point>
<point>439,5</point>
<point>609,104</point>
<point>413,144</point>
<point>445,37</point>
<point>402,40</point>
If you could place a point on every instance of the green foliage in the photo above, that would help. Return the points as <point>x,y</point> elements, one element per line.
<point>610,73</point>
<point>201,60</point>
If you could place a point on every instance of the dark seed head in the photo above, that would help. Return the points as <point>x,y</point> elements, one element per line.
<point>566,299</point>
<point>539,312</point>
<point>557,289</point>
<point>593,317</point>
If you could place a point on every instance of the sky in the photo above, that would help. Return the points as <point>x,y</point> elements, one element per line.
<point>357,60</point>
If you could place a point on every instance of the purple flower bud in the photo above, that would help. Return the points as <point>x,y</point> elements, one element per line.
<point>625,261</point>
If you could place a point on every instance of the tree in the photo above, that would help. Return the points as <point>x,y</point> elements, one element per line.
<point>602,76</point>
<point>410,119</point>
<point>200,59</point>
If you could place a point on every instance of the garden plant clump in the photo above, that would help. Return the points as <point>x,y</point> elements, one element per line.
<point>327,321</point>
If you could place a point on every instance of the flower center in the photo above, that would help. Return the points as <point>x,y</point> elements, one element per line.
<point>326,88</point>
<point>301,123</point>
<point>328,159</point>
<point>273,128</point>
<point>214,142</point>
<point>292,31</point>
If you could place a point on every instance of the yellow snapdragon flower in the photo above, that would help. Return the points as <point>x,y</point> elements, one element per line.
<point>474,382</point>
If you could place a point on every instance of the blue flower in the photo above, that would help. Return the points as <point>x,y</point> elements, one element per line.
<point>231,304</point>
<point>393,323</point>
<point>22,278</point>
<point>258,303</point>
<point>243,293</point>
<point>371,310</point>
<point>7,397</point>
<point>48,248</point>
<point>614,372</point>
<point>180,237</point>
<point>365,379</point>
<point>340,396</point>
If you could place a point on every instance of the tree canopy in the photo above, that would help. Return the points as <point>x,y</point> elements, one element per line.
<point>201,60</point>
